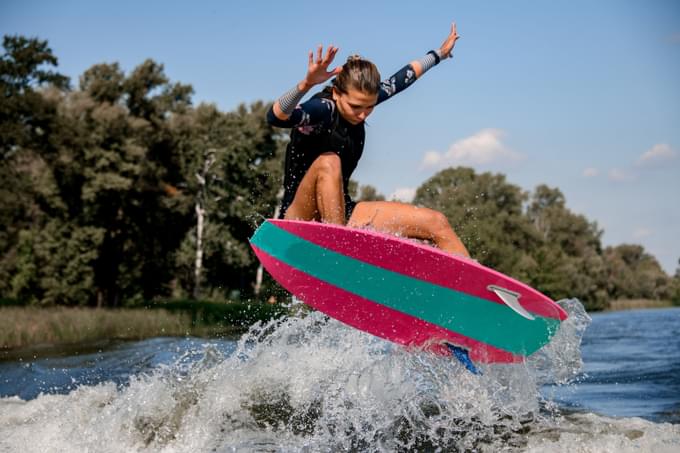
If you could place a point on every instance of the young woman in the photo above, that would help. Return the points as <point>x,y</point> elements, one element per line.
<point>327,140</point>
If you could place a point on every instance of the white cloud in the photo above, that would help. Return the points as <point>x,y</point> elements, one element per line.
<point>658,153</point>
<point>432,159</point>
<point>405,194</point>
<point>590,172</point>
<point>482,148</point>
<point>619,175</point>
<point>642,232</point>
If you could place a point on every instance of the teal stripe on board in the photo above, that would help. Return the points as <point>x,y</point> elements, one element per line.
<point>480,319</point>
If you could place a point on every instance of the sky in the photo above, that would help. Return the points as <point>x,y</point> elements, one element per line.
<point>579,95</point>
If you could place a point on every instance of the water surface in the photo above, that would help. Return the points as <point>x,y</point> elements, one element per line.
<point>313,384</point>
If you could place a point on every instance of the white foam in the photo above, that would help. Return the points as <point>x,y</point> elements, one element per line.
<point>313,384</point>
<point>591,433</point>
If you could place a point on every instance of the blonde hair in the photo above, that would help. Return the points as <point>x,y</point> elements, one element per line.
<point>359,74</point>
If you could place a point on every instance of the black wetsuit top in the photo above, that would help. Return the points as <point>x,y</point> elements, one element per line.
<point>317,128</point>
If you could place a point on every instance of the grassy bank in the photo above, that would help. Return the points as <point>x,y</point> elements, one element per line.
<point>22,327</point>
<point>28,326</point>
<point>636,304</point>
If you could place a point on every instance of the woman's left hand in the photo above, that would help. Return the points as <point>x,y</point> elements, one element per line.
<point>447,46</point>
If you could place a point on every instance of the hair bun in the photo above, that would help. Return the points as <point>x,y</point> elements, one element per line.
<point>354,57</point>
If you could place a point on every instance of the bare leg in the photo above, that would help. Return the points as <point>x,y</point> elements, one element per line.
<point>320,195</point>
<point>410,221</point>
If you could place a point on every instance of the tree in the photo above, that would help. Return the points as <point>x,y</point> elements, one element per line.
<point>240,189</point>
<point>28,116</point>
<point>99,183</point>
<point>633,274</point>
<point>675,291</point>
<point>123,191</point>
<point>544,244</point>
<point>25,115</point>
<point>364,192</point>
<point>486,213</point>
<point>369,193</point>
<point>568,258</point>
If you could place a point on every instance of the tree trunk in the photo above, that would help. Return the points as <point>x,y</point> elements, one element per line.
<point>201,218</point>
<point>200,215</point>
<point>260,270</point>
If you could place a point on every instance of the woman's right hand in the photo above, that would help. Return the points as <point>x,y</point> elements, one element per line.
<point>445,51</point>
<point>317,70</point>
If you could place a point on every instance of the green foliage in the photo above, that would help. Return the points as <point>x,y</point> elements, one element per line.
<point>28,114</point>
<point>240,188</point>
<point>486,212</point>
<point>102,186</point>
<point>220,313</point>
<point>569,257</point>
<point>633,273</point>
<point>364,192</point>
<point>675,286</point>
<point>24,114</point>
<point>101,183</point>
<point>55,264</point>
<point>9,302</point>
<point>538,240</point>
<point>369,193</point>
<point>21,65</point>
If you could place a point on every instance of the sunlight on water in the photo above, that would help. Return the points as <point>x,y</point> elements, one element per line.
<point>308,383</point>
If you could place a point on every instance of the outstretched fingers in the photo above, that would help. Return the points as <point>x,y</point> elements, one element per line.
<point>447,46</point>
<point>317,71</point>
<point>330,56</point>
<point>320,59</point>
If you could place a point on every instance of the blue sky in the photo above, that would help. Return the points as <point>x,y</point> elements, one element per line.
<point>579,95</point>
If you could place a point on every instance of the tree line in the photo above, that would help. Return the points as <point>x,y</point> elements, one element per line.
<point>120,190</point>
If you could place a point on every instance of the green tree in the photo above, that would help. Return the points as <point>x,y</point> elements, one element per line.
<point>239,189</point>
<point>129,168</point>
<point>486,212</point>
<point>28,117</point>
<point>55,264</point>
<point>100,179</point>
<point>369,193</point>
<point>541,243</point>
<point>364,192</point>
<point>25,115</point>
<point>568,259</point>
<point>104,184</point>
<point>633,274</point>
<point>675,290</point>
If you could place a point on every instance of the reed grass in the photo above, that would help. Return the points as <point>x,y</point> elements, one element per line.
<point>29,326</point>
<point>635,304</point>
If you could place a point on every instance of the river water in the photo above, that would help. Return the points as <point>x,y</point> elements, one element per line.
<point>312,384</point>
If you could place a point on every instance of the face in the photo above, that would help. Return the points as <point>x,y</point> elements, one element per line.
<point>355,105</point>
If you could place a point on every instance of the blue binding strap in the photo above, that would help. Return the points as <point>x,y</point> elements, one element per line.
<point>463,357</point>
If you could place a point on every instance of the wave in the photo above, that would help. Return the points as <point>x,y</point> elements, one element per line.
<point>309,383</point>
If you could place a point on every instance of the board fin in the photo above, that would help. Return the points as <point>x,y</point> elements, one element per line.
<point>511,299</point>
<point>463,357</point>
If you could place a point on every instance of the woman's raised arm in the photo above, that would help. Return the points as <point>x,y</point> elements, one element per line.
<point>405,77</point>
<point>317,72</point>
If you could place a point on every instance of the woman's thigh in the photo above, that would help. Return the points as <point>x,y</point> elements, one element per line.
<point>397,218</point>
<point>304,205</point>
<point>410,221</point>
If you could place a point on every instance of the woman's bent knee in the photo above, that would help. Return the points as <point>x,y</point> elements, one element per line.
<point>437,221</point>
<point>328,164</point>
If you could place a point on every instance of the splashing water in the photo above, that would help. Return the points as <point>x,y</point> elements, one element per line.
<point>309,383</point>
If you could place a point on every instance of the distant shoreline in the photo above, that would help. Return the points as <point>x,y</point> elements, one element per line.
<point>24,328</point>
<point>637,304</point>
<point>27,327</point>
